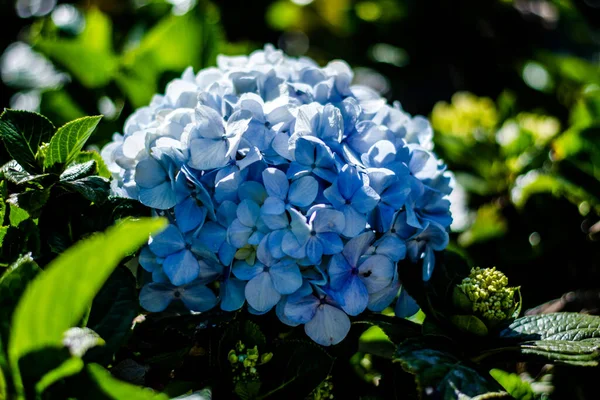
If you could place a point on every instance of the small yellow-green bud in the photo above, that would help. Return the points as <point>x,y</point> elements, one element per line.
<point>232,357</point>
<point>266,357</point>
<point>489,293</point>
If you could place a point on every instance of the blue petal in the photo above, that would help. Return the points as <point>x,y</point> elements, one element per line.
<point>150,173</point>
<point>380,300</point>
<point>329,326</point>
<point>304,152</point>
<point>232,294</point>
<point>161,197</point>
<point>331,242</point>
<point>357,246</point>
<point>212,236</point>
<point>156,297</point>
<point>355,222</point>
<point>238,234</point>
<point>391,246</point>
<point>274,240</point>
<point>226,213</point>
<point>333,195</point>
<point>263,254</point>
<point>339,271</point>
<point>227,253</point>
<point>349,181</point>
<point>428,263</point>
<point>303,191</point>
<point>167,242</point>
<point>297,170</point>
<point>253,191</point>
<point>181,267</point>
<point>189,215</point>
<point>365,199</point>
<point>209,122</point>
<point>244,271</point>
<point>355,296</point>
<point>209,271</point>
<point>275,182</point>
<point>198,297</point>
<point>148,259</point>
<point>256,238</point>
<point>261,293</point>
<point>328,220</point>
<point>286,277</point>
<point>406,305</point>
<point>273,206</point>
<point>275,222</point>
<point>248,212</point>
<point>208,154</point>
<point>376,272</point>
<point>291,246</point>
<point>314,249</point>
<point>301,310</point>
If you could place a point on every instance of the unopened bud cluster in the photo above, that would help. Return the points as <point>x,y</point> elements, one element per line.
<point>489,293</point>
<point>323,391</point>
<point>244,361</point>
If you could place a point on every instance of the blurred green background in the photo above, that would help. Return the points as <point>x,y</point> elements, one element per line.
<point>512,88</point>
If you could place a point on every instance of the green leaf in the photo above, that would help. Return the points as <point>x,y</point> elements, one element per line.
<point>89,57</point>
<point>555,326</point>
<point>375,341</point>
<point>115,389</point>
<point>17,175</point>
<point>31,201</point>
<point>17,215</point>
<point>3,196</point>
<point>469,324</point>
<point>247,390</point>
<point>12,285</point>
<point>69,140</point>
<point>518,388</point>
<point>296,369</point>
<point>101,167</point>
<point>584,353</point>
<point>3,394</point>
<point>449,375</point>
<point>113,311</point>
<point>69,367</point>
<point>94,188</point>
<point>58,298</point>
<point>77,171</point>
<point>396,329</point>
<point>22,133</point>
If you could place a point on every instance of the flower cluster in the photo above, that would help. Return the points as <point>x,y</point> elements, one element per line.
<point>287,188</point>
<point>489,293</point>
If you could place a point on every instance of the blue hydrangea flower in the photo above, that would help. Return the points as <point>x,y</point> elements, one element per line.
<point>268,279</point>
<point>287,187</point>
<point>355,276</point>
<point>351,194</point>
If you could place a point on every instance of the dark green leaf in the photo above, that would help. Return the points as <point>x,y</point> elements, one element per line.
<point>518,388</point>
<point>12,285</point>
<point>58,298</point>
<point>69,140</point>
<point>94,188</point>
<point>296,369</point>
<point>77,171</point>
<point>470,324</point>
<point>556,326</point>
<point>101,168</point>
<point>397,329</point>
<point>22,133</point>
<point>3,196</point>
<point>584,353</point>
<point>31,200</point>
<point>16,174</point>
<point>115,389</point>
<point>444,374</point>
<point>247,390</point>
<point>113,311</point>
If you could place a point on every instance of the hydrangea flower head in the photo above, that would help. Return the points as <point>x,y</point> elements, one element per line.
<point>287,188</point>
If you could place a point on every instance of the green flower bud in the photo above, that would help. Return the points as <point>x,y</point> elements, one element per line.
<point>232,357</point>
<point>265,358</point>
<point>486,292</point>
